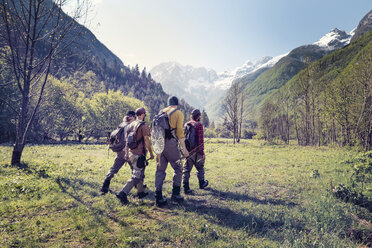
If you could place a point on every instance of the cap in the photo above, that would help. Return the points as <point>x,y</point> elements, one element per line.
<point>140,111</point>
<point>131,113</point>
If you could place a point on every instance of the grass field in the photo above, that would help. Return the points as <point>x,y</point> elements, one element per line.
<point>259,196</point>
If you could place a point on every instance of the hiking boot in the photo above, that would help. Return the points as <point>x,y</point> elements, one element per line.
<point>142,195</point>
<point>144,186</point>
<point>186,188</point>
<point>176,196</point>
<point>123,198</point>
<point>160,200</point>
<point>105,186</point>
<point>203,184</point>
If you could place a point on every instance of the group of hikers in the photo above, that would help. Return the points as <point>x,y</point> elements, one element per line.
<point>176,148</point>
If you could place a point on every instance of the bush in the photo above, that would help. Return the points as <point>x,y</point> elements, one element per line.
<point>210,133</point>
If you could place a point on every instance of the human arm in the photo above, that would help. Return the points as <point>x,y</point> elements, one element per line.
<point>148,146</point>
<point>183,147</point>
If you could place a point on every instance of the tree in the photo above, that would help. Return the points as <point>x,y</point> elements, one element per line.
<point>62,110</point>
<point>8,94</point>
<point>36,32</point>
<point>241,113</point>
<point>231,107</point>
<point>105,111</point>
<point>205,119</point>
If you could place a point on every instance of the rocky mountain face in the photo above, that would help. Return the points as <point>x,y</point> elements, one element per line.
<point>202,86</point>
<point>364,26</point>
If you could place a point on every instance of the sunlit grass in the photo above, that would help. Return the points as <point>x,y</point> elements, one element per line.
<point>259,196</point>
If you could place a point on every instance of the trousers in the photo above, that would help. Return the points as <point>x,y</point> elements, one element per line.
<point>172,155</point>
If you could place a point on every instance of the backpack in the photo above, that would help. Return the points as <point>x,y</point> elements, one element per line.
<point>160,130</point>
<point>190,136</point>
<point>117,137</point>
<point>132,141</point>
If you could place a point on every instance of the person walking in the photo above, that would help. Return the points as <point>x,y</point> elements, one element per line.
<point>120,155</point>
<point>137,155</point>
<point>195,136</point>
<point>171,154</point>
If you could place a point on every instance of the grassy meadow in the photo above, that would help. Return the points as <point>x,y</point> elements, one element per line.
<point>259,196</point>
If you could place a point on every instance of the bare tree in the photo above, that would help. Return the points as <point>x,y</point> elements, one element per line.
<point>241,113</point>
<point>35,33</point>
<point>231,107</point>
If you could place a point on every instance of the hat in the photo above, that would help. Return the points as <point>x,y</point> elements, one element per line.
<point>195,113</point>
<point>131,113</point>
<point>172,100</point>
<point>140,111</point>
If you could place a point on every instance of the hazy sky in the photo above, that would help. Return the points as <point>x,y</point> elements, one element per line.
<point>217,34</point>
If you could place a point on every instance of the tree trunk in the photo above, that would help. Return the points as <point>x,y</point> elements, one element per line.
<point>17,154</point>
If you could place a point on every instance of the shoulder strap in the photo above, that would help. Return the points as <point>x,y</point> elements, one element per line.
<point>138,124</point>
<point>170,113</point>
<point>174,110</point>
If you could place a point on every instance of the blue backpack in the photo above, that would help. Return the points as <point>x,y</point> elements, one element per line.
<point>190,136</point>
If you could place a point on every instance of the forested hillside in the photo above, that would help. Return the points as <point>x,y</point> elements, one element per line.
<point>85,77</point>
<point>330,101</point>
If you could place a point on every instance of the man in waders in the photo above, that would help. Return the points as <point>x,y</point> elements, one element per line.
<point>195,144</point>
<point>138,143</point>
<point>120,156</point>
<point>171,154</point>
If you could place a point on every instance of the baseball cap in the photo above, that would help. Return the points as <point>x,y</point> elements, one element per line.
<point>131,113</point>
<point>140,111</point>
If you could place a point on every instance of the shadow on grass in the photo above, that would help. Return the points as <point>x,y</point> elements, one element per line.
<point>42,173</point>
<point>242,197</point>
<point>244,219</point>
<point>65,183</point>
<point>249,222</point>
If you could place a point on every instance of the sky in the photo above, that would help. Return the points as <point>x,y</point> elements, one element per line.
<point>216,34</point>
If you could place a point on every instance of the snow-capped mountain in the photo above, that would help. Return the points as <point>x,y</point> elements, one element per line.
<point>187,82</point>
<point>198,85</point>
<point>226,78</point>
<point>335,39</point>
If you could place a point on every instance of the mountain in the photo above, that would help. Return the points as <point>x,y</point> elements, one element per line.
<point>327,102</point>
<point>83,54</point>
<point>187,82</point>
<point>364,26</point>
<point>256,90</point>
<point>204,87</point>
<point>88,54</point>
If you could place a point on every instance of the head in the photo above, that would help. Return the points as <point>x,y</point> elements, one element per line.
<point>141,113</point>
<point>195,114</point>
<point>130,116</point>
<point>172,100</point>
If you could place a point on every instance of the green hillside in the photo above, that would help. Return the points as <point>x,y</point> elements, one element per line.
<point>327,102</point>
<point>275,77</point>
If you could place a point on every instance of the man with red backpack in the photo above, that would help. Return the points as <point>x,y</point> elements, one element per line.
<point>138,143</point>
<point>194,139</point>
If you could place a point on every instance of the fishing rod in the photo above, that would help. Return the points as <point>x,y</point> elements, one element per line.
<point>195,151</point>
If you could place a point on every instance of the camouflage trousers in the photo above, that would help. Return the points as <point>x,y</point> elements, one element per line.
<point>138,175</point>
